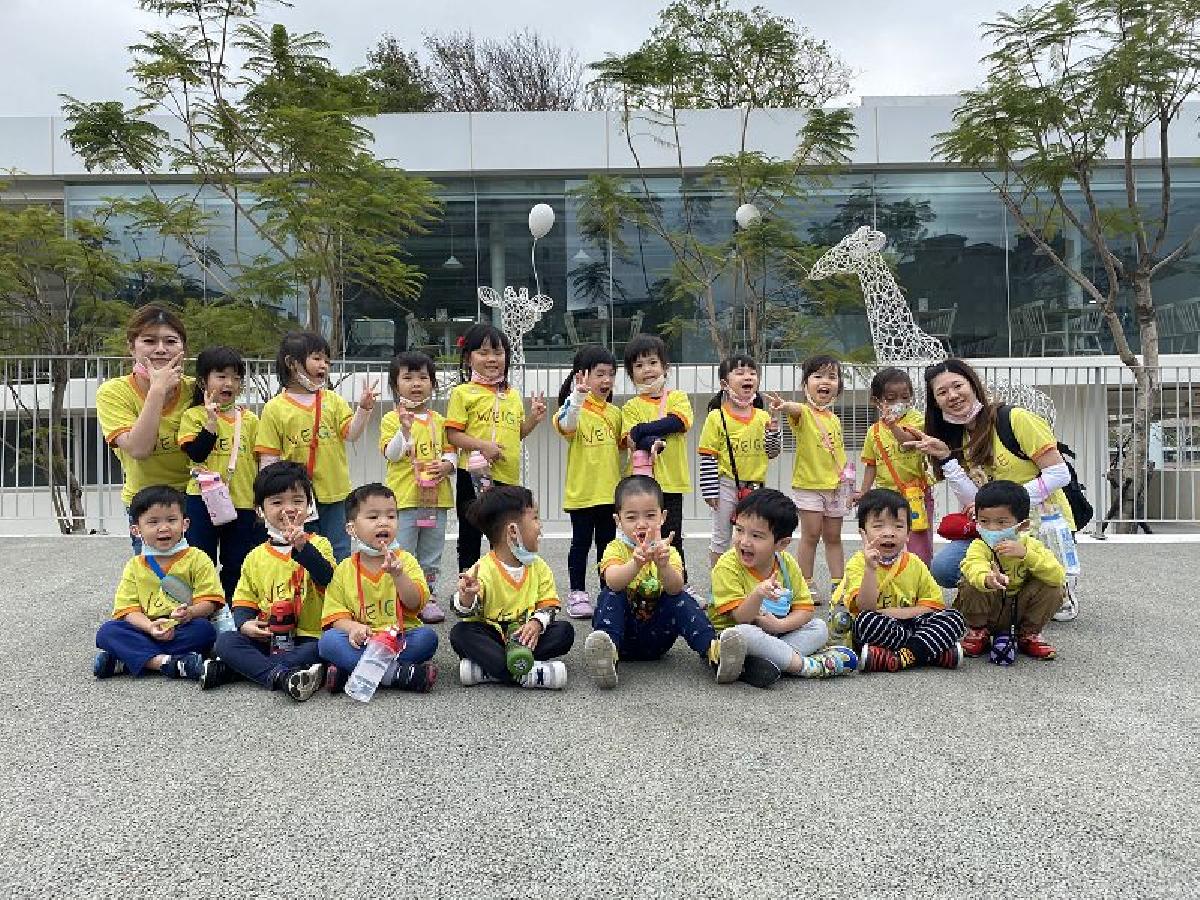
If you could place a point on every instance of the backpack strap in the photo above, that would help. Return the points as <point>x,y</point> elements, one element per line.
<point>1004,431</point>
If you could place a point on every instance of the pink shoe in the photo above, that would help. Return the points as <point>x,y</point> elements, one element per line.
<point>579,605</point>
<point>431,613</point>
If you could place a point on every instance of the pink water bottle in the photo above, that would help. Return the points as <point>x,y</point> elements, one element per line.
<point>427,484</point>
<point>481,471</point>
<point>217,499</point>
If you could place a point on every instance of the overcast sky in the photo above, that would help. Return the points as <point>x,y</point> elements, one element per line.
<point>78,47</point>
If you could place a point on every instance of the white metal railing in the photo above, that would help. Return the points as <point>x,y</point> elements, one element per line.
<point>66,472</point>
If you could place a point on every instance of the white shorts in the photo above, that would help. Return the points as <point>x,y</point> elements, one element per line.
<point>827,503</point>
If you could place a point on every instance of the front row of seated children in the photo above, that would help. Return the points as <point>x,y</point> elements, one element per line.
<point>300,622</point>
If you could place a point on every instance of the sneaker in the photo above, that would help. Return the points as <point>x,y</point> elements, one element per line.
<point>550,675</point>
<point>600,659</point>
<point>431,613</point>
<point>760,672</point>
<point>335,679</point>
<point>1036,646</point>
<point>184,665</point>
<point>976,642</point>
<point>106,665</point>
<point>816,666</point>
<point>579,605</point>
<point>701,600</point>
<point>846,657</point>
<point>301,684</point>
<point>416,677</point>
<point>470,673</point>
<point>1069,611</point>
<point>730,652</point>
<point>950,658</point>
<point>214,673</point>
<point>878,659</point>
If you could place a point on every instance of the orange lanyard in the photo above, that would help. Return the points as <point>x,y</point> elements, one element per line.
<point>362,601</point>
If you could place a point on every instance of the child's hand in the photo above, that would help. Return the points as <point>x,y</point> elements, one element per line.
<point>537,406</point>
<point>712,502</point>
<point>182,615</point>
<point>768,623</point>
<point>658,447</point>
<point>1014,549</point>
<point>295,533</point>
<point>391,564</point>
<point>995,580</point>
<point>406,417</point>
<point>367,401</point>
<point>256,630</point>
<point>468,586</point>
<point>529,633</point>
<point>162,629</point>
<point>491,451</point>
<point>210,407</point>
<point>768,588</point>
<point>780,406</point>
<point>359,633</point>
<point>871,552</point>
<point>445,470</point>
<point>581,382</point>
<point>641,553</point>
<point>660,549</point>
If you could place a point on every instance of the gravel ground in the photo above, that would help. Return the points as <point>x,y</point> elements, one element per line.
<point>1064,779</point>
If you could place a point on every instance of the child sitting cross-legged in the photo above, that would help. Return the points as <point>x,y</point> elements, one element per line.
<point>277,601</point>
<point>510,634</point>
<point>166,595</point>
<point>758,590</point>
<point>643,607</point>
<point>379,586</point>
<point>1004,570</point>
<point>900,620</point>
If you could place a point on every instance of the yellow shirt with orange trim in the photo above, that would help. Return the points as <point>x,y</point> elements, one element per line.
<point>671,469</point>
<point>119,402</point>
<point>285,429</point>
<point>618,553</point>
<point>504,600</point>
<point>427,444</point>
<point>141,590</point>
<point>593,455</point>
<point>377,603</point>
<point>1038,562</point>
<point>748,437</point>
<point>816,468</point>
<point>911,466</point>
<point>270,574</point>
<point>483,412</point>
<point>732,582</point>
<point>241,483</point>
<point>906,583</point>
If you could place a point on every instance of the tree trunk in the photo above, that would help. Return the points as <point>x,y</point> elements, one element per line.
<point>65,491</point>
<point>1135,473</point>
<point>709,304</point>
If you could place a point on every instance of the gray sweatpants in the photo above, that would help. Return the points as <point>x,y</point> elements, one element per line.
<point>805,640</point>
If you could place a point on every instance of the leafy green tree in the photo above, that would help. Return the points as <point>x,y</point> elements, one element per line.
<point>398,79</point>
<point>1068,81</point>
<point>260,117</point>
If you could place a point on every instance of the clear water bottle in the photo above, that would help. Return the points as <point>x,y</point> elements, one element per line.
<point>380,652</point>
<point>1056,534</point>
<point>845,488</point>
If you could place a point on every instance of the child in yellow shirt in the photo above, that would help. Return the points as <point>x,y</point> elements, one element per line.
<point>160,620</point>
<point>509,600</point>
<point>900,620</point>
<point>591,426</point>
<point>310,424</point>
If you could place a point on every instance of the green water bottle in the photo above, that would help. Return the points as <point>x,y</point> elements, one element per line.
<point>517,657</point>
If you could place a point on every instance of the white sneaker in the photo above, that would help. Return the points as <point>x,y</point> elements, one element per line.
<point>470,673</point>
<point>600,659</point>
<point>1069,611</point>
<point>547,675</point>
<point>732,655</point>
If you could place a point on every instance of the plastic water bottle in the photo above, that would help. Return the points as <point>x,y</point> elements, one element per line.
<point>380,652</point>
<point>841,623</point>
<point>845,488</point>
<point>1056,534</point>
<point>282,624</point>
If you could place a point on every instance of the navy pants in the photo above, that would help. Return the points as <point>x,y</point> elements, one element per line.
<point>331,523</point>
<point>481,643</point>
<point>226,545</point>
<point>253,660</point>
<point>419,646</point>
<point>135,648</point>
<point>674,616</point>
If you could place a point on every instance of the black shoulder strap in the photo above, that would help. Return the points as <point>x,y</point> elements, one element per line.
<point>1004,431</point>
<point>729,445</point>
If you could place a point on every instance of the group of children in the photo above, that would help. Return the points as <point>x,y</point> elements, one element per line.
<point>311,570</point>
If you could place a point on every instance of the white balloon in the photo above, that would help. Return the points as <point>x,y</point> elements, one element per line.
<point>747,214</point>
<point>541,220</point>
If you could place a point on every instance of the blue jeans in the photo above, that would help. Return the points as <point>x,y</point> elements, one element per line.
<point>253,660</point>
<point>231,542</point>
<point>135,648</point>
<point>674,616</point>
<point>426,544</point>
<point>946,567</point>
<point>334,647</point>
<point>331,523</point>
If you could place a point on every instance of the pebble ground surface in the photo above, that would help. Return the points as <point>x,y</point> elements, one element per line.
<point>1073,778</point>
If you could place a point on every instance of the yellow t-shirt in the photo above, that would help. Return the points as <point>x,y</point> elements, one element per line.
<point>747,434</point>
<point>910,465</point>
<point>141,589</point>
<point>241,485</point>
<point>269,574</point>
<point>1034,437</point>
<point>1039,562</point>
<point>286,429</point>
<point>377,604</point>
<point>671,467</point>
<point>505,600</point>
<point>428,443</point>
<point>593,455</point>
<point>732,582</point>
<point>618,553</point>
<point>119,402</point>
<point>816,469</point>
<point>482,412</point>
<point>907,582</point>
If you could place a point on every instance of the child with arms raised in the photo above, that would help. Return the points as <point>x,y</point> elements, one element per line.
<point>510,634</point>
<point>165,597</point>
<point>643,608</point>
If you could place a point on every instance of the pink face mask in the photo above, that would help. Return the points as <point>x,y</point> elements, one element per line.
<point>966,418</point>
<point>483,379</point>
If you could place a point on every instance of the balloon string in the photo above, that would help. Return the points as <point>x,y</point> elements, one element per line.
<point>537,281</point>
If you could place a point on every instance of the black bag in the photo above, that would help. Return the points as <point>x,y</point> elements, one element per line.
<point>1081,509</point>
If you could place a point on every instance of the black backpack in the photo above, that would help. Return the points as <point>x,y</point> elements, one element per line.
<point>1081,510</point>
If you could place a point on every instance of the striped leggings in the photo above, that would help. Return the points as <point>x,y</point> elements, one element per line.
<point>926,636</point>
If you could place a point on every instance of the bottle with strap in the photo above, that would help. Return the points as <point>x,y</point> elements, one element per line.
<point>914,493</point>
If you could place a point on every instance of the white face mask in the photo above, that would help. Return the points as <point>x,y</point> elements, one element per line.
<point>302,379</point>
<point>965,419</point>
<point>738,402</point>
<point>813,403</point>
<point>370,549</point>
<point>524,555</point>
<point>147,550</point>
<point>651,388</point>
<point>898,410</point>
<point>411,404</point>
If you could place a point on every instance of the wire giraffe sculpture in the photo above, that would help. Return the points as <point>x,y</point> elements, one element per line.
<point>897,338</point>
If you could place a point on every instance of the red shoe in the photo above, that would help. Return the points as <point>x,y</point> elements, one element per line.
<point>878,659</point>
<point>1035,645</point>
<point>949,658</point>
<point>976,642</point>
